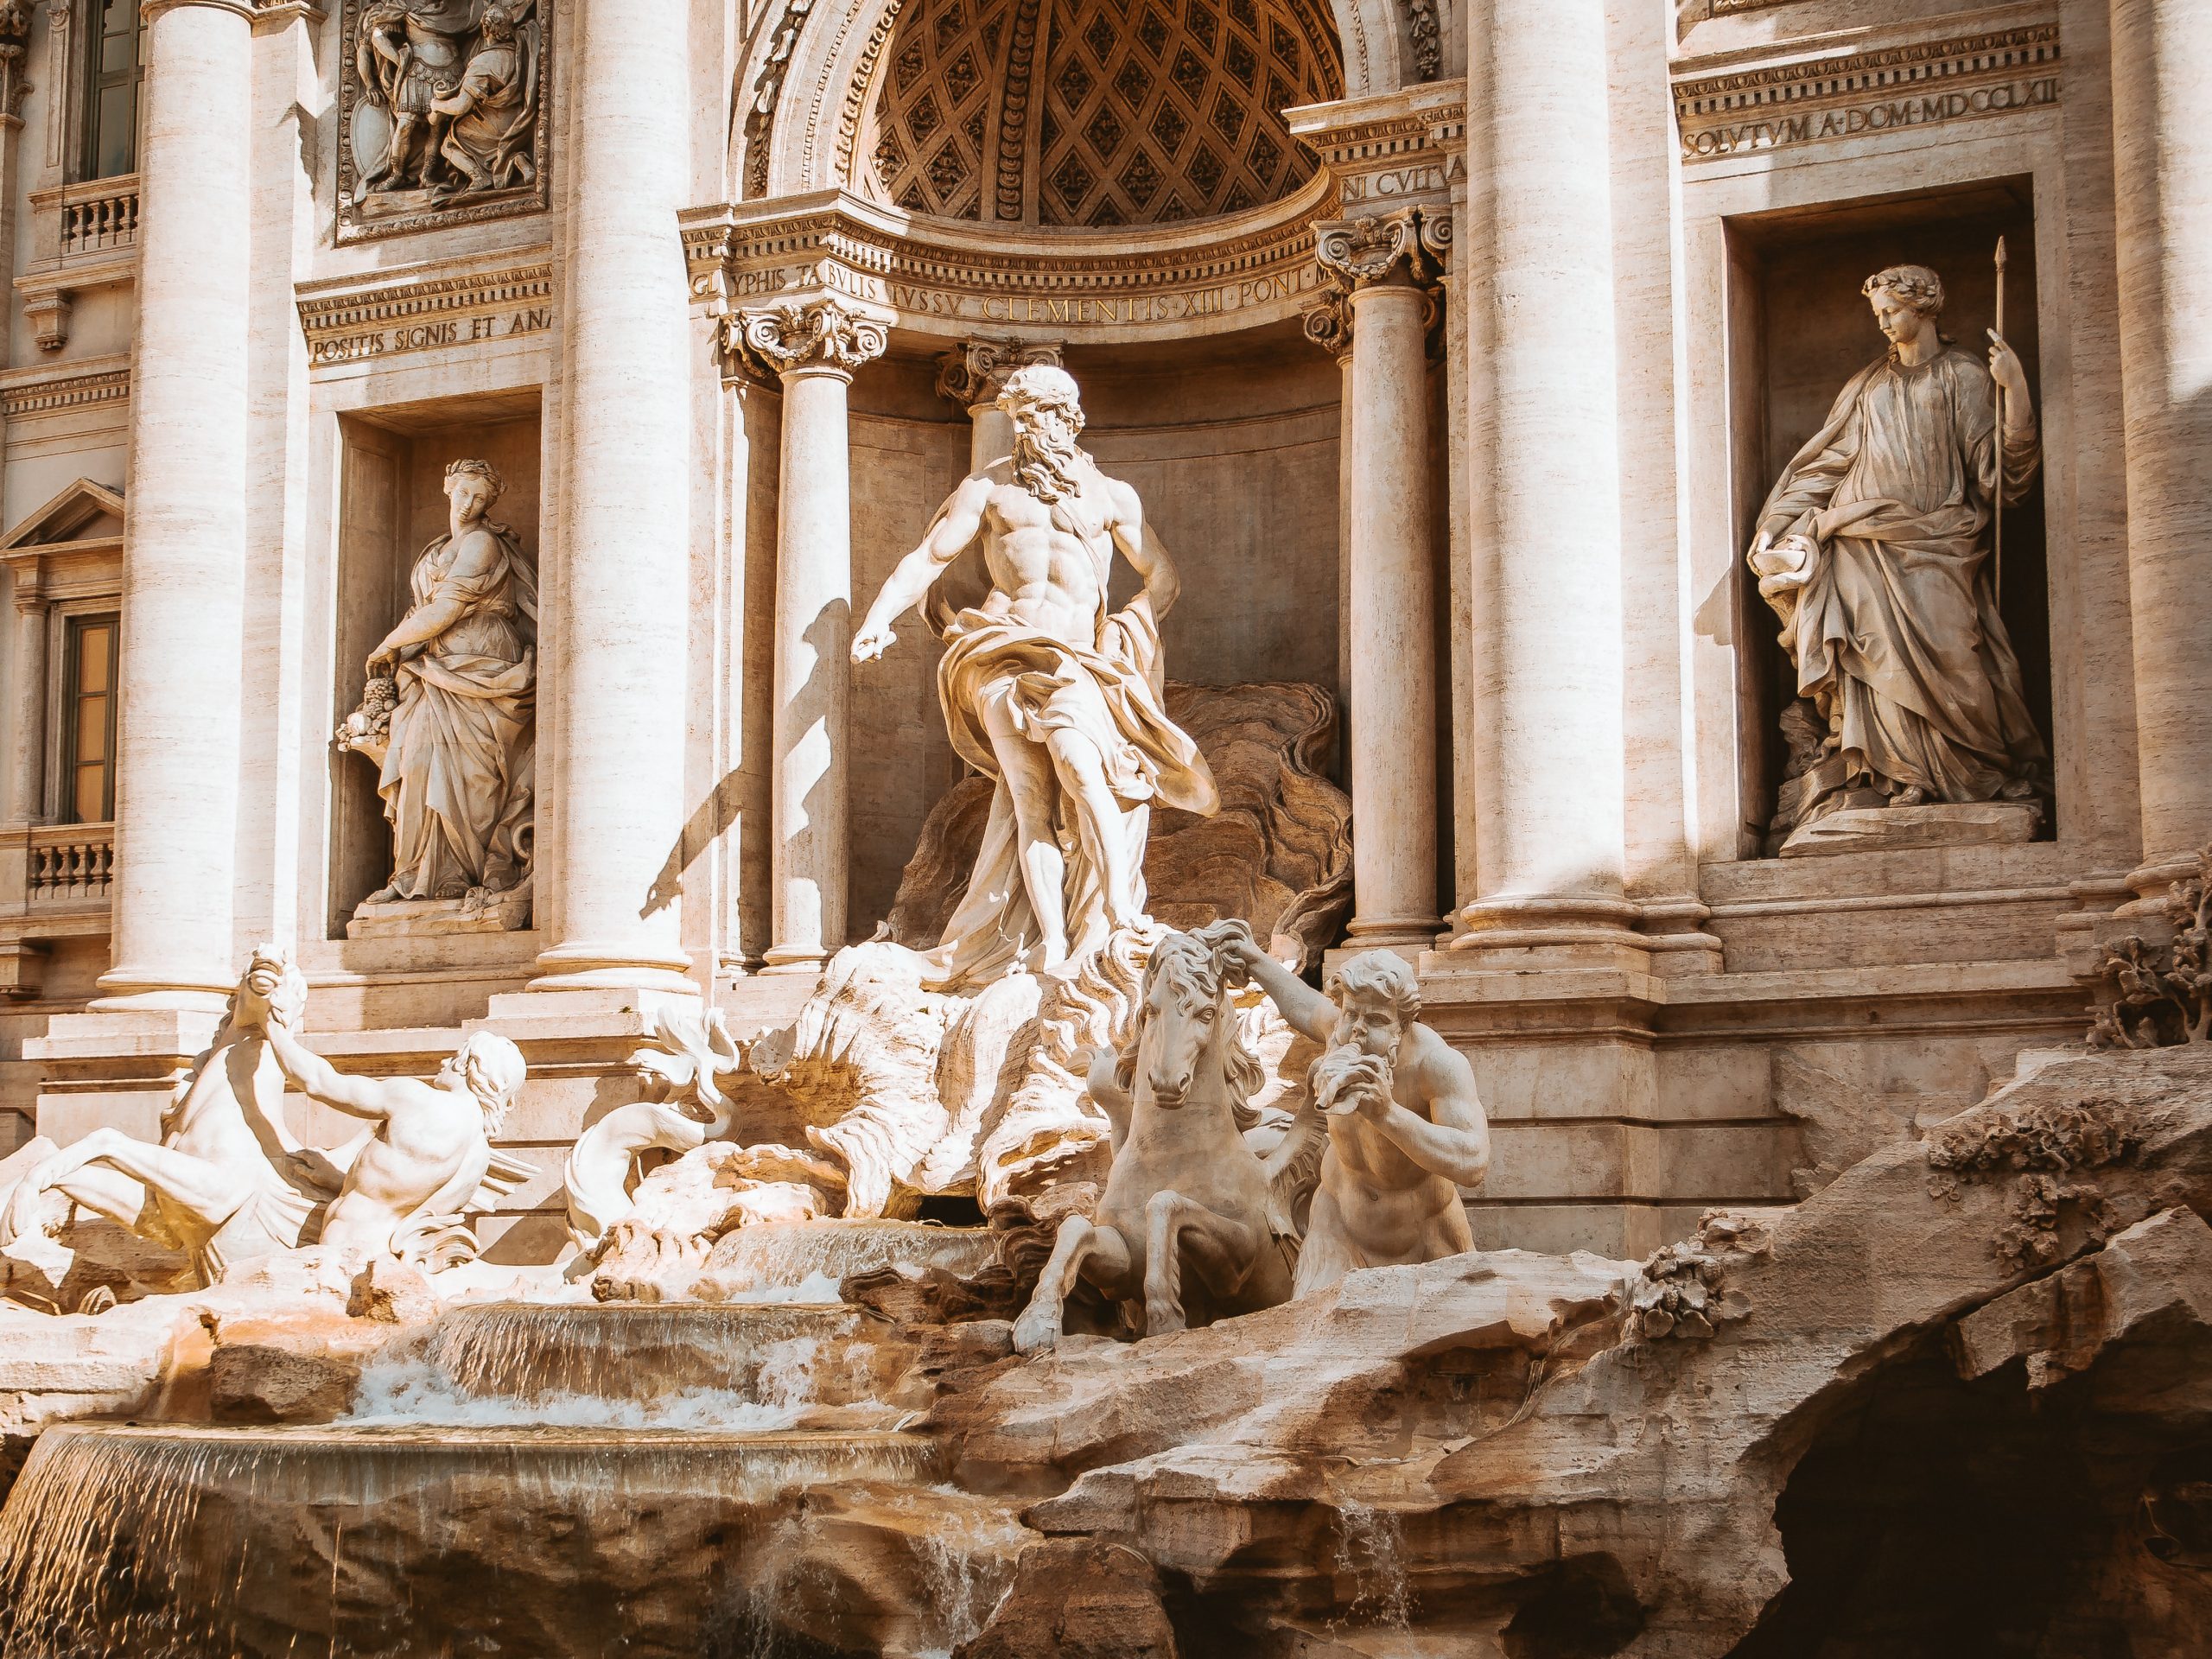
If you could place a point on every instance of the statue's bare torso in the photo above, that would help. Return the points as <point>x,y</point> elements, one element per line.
<point>1049,561</point>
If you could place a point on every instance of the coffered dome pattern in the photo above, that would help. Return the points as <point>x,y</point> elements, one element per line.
<point>1095,112</point>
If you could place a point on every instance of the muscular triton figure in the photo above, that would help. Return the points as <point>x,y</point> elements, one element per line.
<point>1406,1130</point>
<point>430,1148</point>
<point>1047,692</point>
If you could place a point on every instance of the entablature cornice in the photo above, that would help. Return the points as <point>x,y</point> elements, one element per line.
<point>419,308</point>
<point>1844,85</point>
<point>950,280</point>
<point>1393,148</point>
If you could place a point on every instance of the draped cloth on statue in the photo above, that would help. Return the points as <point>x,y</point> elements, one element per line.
<point>1109,697</point>
<point>1897,625</point>
<point>457,780</point>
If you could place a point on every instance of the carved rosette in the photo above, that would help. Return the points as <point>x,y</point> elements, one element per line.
<point>813,334</point>
<point>975,372</point>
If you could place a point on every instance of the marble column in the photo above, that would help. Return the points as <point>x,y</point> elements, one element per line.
<point>183,566</point>
<point>29,799</point>
<point>1548,664</point>
<point>813,348</point>
<point>1391,594</point>
<point>972,374</point>
<point>621,600</point>
<point>2162,156</point>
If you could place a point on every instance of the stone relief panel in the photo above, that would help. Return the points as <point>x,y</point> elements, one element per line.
<point>443,113</point>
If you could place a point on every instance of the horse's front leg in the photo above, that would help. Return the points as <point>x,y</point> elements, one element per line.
<point>1081,1247</point>
<point>1220,1252</point>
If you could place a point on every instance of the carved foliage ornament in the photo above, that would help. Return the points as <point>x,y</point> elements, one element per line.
<point>815,333</point>
<point>442,113</point>
<point>975,372</point>
<point>1361,251</point>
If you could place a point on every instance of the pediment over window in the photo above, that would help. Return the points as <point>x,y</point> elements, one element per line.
<point>86,511</point>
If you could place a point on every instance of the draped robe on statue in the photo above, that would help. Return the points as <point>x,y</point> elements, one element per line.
<point>1108,695</point>
<point>458,776</point>
<point>1897,626</point>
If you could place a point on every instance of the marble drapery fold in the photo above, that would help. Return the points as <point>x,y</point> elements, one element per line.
<point>1895,630</point>
<point>458,775</point>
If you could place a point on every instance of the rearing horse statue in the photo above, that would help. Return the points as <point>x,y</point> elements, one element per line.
<point>1187,1201</point>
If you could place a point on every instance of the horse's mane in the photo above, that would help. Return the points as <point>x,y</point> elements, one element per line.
<point>1199,968</point>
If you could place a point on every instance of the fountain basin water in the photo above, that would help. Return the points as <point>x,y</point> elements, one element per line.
<point>160,1543</point>
<point>628,1364</point>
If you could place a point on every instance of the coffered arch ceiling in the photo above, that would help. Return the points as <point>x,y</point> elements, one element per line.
<point>1091,113</point>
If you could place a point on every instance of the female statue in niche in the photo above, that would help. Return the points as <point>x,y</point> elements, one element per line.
<point>1873,551</point>
<point>449,711</point>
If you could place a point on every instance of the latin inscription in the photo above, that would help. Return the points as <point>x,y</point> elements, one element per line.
<point>429,336</point>
<point>1427,179</point>
<point>1780,131</point>
<point>1104,311</point>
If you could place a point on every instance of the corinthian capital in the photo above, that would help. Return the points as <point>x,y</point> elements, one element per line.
<point>804,334</point>
<point>975,372</point>
<point>1363,252</point>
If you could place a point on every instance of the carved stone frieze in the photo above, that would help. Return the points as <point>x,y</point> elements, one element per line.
<point>443,113</point>
<point>768,90</point>
<point>821,333</point>
<point>1806,101</point>
<point>964,279</point>
<point>346,319</point>
<point>975,371</point>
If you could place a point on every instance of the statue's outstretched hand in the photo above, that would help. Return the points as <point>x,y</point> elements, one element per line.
<point>871,643</point>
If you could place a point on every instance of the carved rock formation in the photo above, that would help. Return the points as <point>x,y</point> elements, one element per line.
<point>1278,855</point>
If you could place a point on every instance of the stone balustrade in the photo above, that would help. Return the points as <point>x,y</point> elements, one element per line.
<point>84,235</point>
<point>68,863</point>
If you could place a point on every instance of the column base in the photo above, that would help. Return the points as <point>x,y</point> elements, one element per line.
<point>793,959</point>
<point>609,968</point>
<point>2150,879</point>
<point>1596,931</point>
<point>127,989</point>
<point>1410,934</point>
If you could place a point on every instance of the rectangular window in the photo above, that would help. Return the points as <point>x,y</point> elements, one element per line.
<point>88,715</point>
<point>114,61</point>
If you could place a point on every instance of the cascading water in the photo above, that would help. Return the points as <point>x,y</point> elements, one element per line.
<point>558,1479</point>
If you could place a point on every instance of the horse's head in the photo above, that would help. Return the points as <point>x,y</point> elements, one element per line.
<point>271,987</point>
<point>1183,1043</point>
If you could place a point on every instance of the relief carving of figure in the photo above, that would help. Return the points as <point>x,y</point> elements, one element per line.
<point>450,707</point>
<point>1048,693</point>
<point>1407,1131</point>
<point>1873,549</point>
<point>456,86</point>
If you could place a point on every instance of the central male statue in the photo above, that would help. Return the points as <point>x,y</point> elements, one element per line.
<point>1053,697</point>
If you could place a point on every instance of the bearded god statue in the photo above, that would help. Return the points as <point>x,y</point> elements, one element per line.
<point>1874,549</point>
<point>1047,692</point>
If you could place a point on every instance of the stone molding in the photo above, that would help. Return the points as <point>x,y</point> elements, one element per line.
<point>55,394</point>
<point>1806,101</point>
<point>819,335</point>
<point>975,372</point>
<point>768,87</point>
<point>346,319</point>
<point>1408,145</point>
<point>1236,272</point>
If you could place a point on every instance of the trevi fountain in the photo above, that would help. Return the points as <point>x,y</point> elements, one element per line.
<point>1106,828</point>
